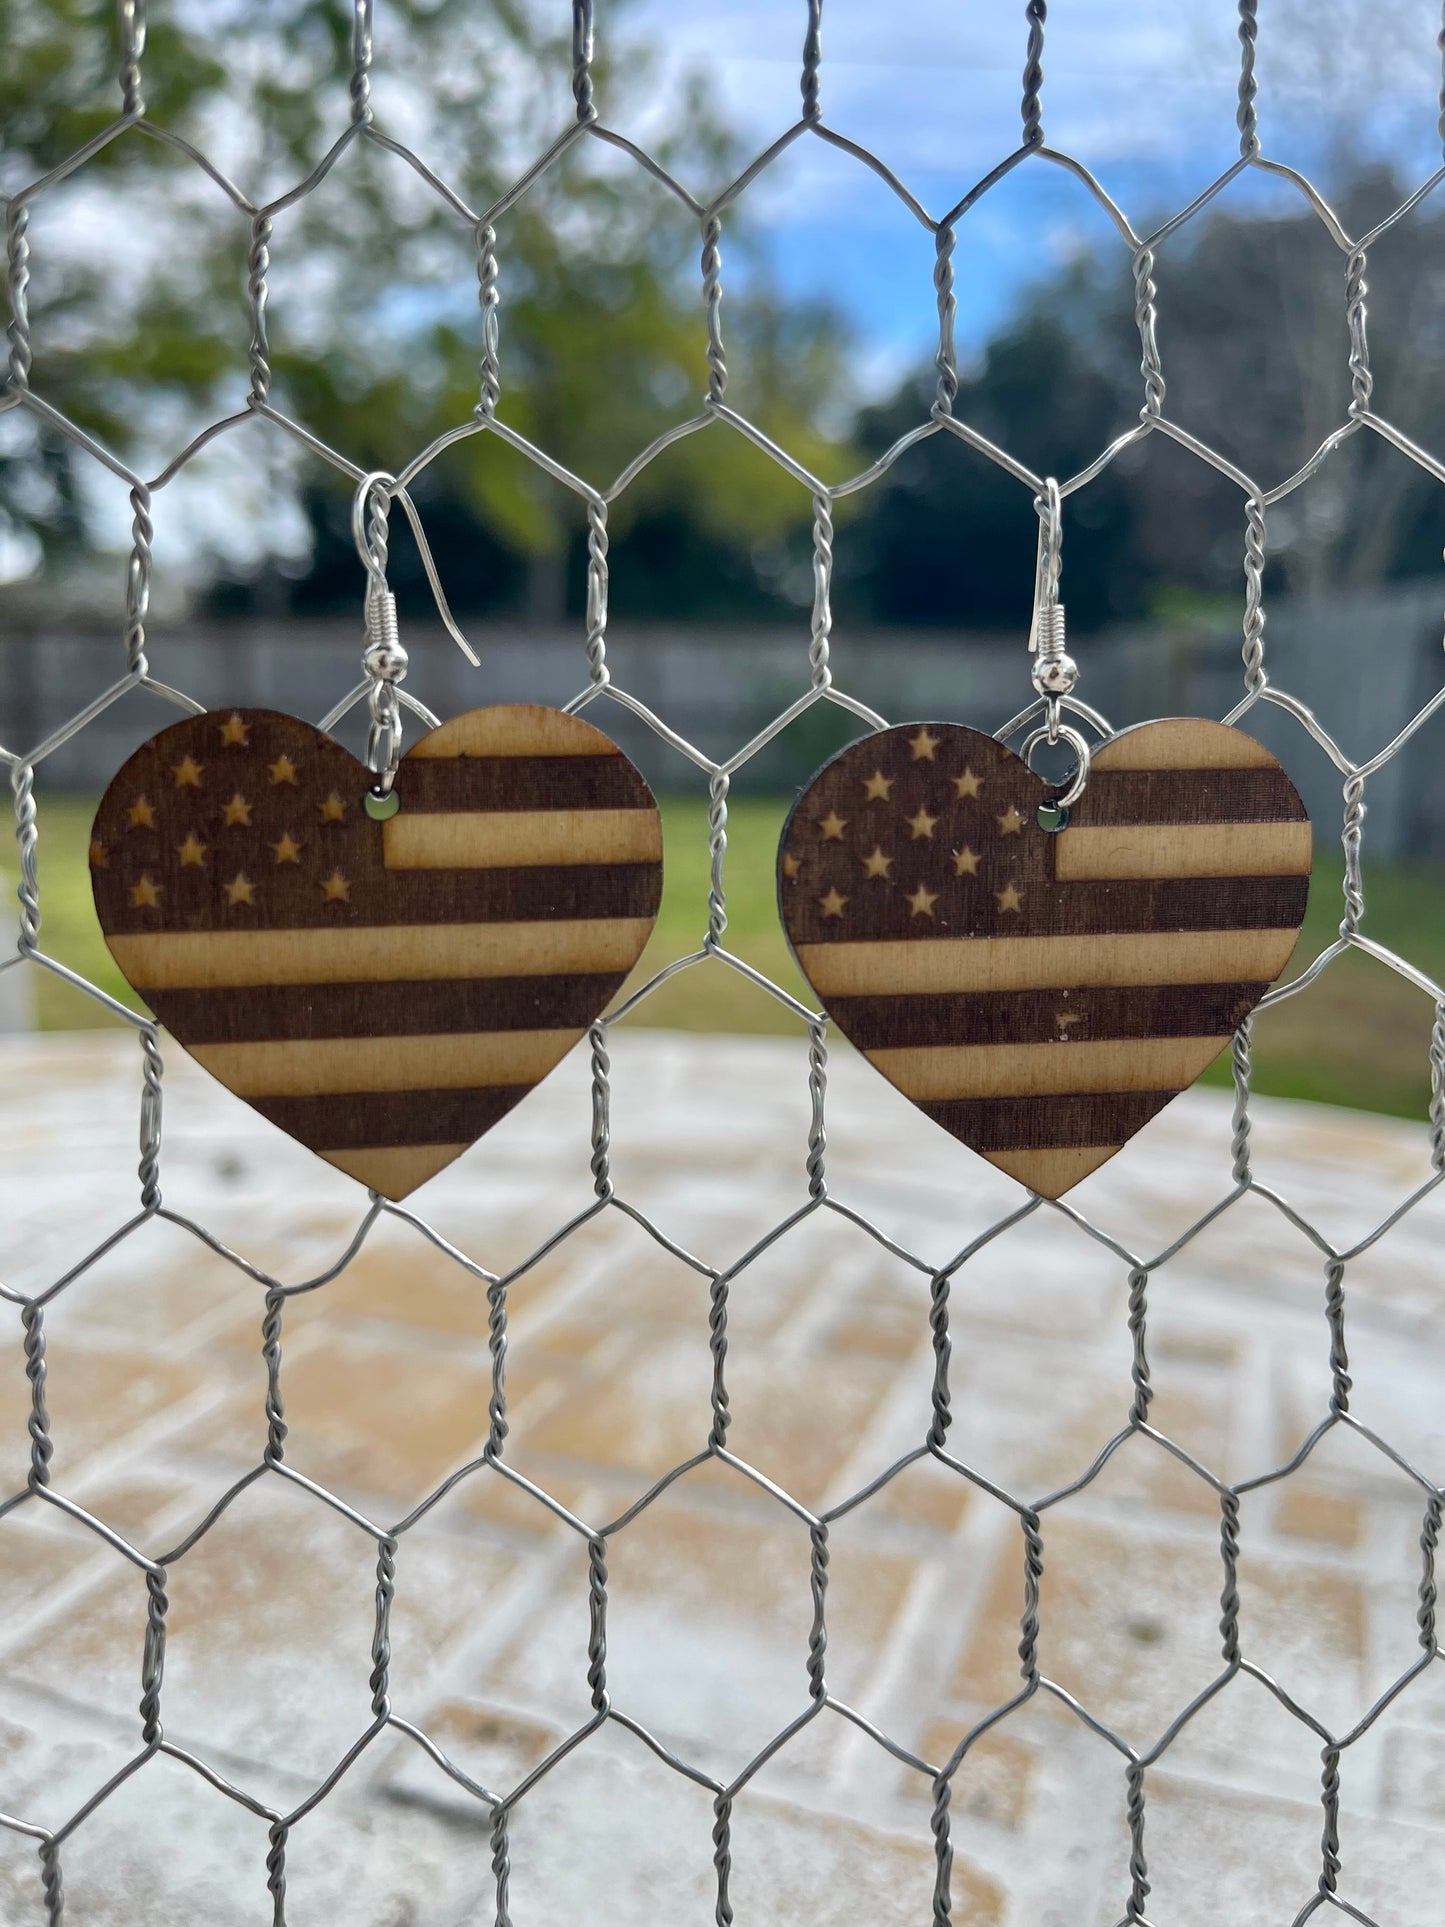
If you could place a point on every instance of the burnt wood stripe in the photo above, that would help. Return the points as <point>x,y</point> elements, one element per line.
<point>1188,796</point>
<point>1045,1123</point>
<point>968,907</point>
<point>288,897</point>
<point>1038,1016</point>
<point>360,1119</point>
<point>454,783</point>
<point>297,1011</point>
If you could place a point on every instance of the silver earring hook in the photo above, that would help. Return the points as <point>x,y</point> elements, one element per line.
<point>378,490</point>
<point>384,659</point>
<point>1055,673</point>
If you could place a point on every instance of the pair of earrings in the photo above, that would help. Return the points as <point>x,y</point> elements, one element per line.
<point>383,959</point>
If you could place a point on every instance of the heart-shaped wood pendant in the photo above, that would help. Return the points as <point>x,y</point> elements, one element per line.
<point>383,991</point>
<point>1043,994</point>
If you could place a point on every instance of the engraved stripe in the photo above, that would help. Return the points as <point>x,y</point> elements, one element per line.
<point>1100,906</point>
<point>478,839</point>
<point>264,1012</point>
<point>1183,742</point>
<point>1175,850</point>
<point>1035,1016</point>
<point>394,1169</point>
<point>515,729</point>
<point>357,1120</point>
<point>1033,1070</point>
<point>313,1066</point>
<point>206,959</point>
<point>291,898</point>
<point>522,783</point>
<point>933,965</point>
<point>1056,1122</point>
<point>1188,796</point>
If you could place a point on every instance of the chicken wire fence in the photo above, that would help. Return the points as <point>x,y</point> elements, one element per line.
<point>500,1807</point>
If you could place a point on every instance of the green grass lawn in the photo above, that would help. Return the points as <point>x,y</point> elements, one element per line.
<point>1358,1036</point>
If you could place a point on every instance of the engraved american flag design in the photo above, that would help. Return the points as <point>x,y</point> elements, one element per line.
<point>1042,995</point>
<point>384,992</point>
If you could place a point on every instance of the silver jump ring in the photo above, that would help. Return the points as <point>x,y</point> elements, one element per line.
<point>1067,734</point>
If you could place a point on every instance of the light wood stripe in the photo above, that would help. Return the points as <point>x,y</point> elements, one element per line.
<point>519,839</point>
<point>1049,1069</point>
<point>328,1066</point>
<point>1051,1173</point>
<point>394,1170</point>
<point>379,953</point>
<point>1180,850</point>
<point>515,729</point>
<point>1183,742</point>
<point>931,965</point>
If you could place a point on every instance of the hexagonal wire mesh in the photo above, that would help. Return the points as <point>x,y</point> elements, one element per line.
<point>717,417</point>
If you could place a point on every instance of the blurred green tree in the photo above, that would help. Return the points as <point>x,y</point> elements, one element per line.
<point>1253,337</point>
<point>139,322</point>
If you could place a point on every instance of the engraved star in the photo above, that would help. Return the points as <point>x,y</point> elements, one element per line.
<point>791,866</point>
<point>283,770</point>
<point>1011,822</point>
<point>238,810</point>
<point>98,858</point>
<point>832,825</point>
<point>192,852</point>
<point>145,895</point>
<point>965,862</point>
<point>923,745</point>
<point>832,904</point>
<point>922,824</point>
<point>922,901</point>
<point>1009,899</point>
<point>336,888</point>
<point>142,816</point>
<point>287,850</point>
<point>968,784</point>
<point>240,889</point>
<point>877,865</point>
<point>187,773</point>
<point>233,730</point>
<point>333,809</point>
<point>878,785</point>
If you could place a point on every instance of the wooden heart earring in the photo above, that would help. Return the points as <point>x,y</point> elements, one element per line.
<point>381,958</point>
<point>1041,968</point>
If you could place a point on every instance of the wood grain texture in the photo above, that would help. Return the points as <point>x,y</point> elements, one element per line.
<point>1042,996</point>
<point>385,992</point>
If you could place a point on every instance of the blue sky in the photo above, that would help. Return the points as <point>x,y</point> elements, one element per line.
<point>1142,92</point>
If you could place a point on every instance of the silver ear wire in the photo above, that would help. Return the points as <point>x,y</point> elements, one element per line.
<point>384,659</point>
<point>1055,672</point>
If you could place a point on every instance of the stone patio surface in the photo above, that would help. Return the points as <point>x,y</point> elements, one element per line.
<point>156,1391</point>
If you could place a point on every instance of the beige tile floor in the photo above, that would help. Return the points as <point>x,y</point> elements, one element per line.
<point>155,1388</point>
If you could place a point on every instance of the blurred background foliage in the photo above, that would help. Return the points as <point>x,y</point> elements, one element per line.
<point>374,349</point>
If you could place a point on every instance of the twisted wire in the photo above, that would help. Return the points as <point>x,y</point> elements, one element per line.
<point>489,299</point>
<point>42,1446</point>
<point>258,266</point>
<point>381,1639</point>
<point>1036,12</point>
